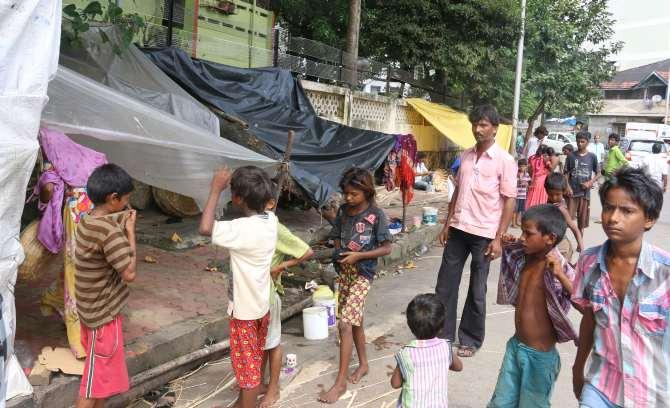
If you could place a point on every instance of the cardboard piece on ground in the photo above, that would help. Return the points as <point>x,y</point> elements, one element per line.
<point>39,375</point>
<point>61,359</point>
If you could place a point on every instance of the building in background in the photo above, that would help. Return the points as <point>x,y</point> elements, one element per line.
<point>633,95</point>
<point>232,32</point>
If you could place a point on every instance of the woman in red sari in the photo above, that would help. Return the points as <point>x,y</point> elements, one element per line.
<point>540,166</point>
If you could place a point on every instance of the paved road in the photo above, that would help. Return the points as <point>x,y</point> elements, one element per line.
<point>387,331</point>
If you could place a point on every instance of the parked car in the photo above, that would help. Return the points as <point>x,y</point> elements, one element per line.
<point>557,140</point>
<point>636,149</point>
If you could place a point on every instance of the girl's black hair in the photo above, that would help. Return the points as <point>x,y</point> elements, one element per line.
<point>359,179</point>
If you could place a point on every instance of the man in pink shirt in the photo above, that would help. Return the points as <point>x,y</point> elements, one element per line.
<point>480,212</point>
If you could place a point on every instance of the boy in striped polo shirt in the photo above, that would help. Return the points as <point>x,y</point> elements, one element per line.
<point>622,289</point>
<point>424,364</point>
<point>105,261</point>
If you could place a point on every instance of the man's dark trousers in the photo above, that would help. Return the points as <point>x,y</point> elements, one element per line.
<point>460,244</point>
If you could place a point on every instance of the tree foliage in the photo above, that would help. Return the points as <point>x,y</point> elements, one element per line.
<point>568,55</point>
<point>80,20</point>
<point>470,45</point>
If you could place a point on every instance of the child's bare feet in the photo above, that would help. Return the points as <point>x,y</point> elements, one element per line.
<point>357,375</point>
<point>263,389</point>
<point>271,397</point>
<point>333,394</point>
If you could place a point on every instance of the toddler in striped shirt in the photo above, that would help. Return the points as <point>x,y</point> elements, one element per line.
<point>421,368</point>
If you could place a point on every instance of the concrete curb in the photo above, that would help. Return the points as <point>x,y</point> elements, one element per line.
<point>190,335</point>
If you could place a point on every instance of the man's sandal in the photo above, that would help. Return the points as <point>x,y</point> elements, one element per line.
<point>466,351</point>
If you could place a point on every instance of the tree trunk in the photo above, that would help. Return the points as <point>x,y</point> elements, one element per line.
<point>531,120</point>
<point>353,29</point>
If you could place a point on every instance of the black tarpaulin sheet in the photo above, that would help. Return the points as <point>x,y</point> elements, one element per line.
<point>272,102</point>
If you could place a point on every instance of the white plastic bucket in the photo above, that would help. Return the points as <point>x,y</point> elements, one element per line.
<point>329,304</point>
<point>315,323</point>
<point>429,215</point>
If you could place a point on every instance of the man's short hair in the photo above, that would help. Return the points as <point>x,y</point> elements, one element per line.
<point>522,162</point>
<point>614,136</point>
<point>108,179</point>
<point>426,316</point>
<point>640,187</point>
<point>549,220</point>
<point>253,185</point>
<point>540,130</point>
<point>487,112</point>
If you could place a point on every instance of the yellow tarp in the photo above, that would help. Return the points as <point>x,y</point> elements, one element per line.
<point>452,124</point>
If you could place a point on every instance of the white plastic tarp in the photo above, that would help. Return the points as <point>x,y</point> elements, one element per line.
<point>133,74</point>
<point>30,33</point>
<point>153,146</point>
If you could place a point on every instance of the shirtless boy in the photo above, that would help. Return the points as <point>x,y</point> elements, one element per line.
<point>537,280</point>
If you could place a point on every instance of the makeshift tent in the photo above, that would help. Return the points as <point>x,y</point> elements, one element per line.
<point>155,147</point>
<point>454,124</point>
<point>133,74</point>
<point>30,32</point>
<point>272,102</point>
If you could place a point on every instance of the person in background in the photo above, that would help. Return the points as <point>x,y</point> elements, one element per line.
<point>615,157</point>
<point>568,149</point>
<point>598,149</point>
<point>522,182</point>
<point>535,141</point>
<point>64,202</point>
<point>657,166</point>
<point>537,281</point>
<point>622,290</point>
<point>455,166</point>
<point>539,167</point>
<point>556,186</point>
<point>519,144</point>
<point>251,241</point>
<point>480,212</point>
<point>553,159</point>
<point>105,258</point>
<point>422,176</point>
<point>582,171</point>
<point>423,365</point>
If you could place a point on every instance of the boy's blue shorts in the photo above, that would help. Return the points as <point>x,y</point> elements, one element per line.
<point>526,378</point>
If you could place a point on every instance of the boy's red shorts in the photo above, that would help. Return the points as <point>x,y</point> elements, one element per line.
<point>105,372</point>
<point>247,341</point>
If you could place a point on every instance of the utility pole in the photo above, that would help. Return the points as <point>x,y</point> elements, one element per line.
<point>517,79</point>
<point>351,48</point>
<point>667,101</point>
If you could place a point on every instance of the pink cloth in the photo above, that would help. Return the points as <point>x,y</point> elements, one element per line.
<point>537,194</point>
<point>72,166</point>
<point>482,184</point>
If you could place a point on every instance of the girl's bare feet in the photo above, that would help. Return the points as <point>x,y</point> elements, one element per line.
<point>357,375</point>
<point>333,394</point>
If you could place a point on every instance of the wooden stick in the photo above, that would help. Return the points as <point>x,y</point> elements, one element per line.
<point>284,181</point>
